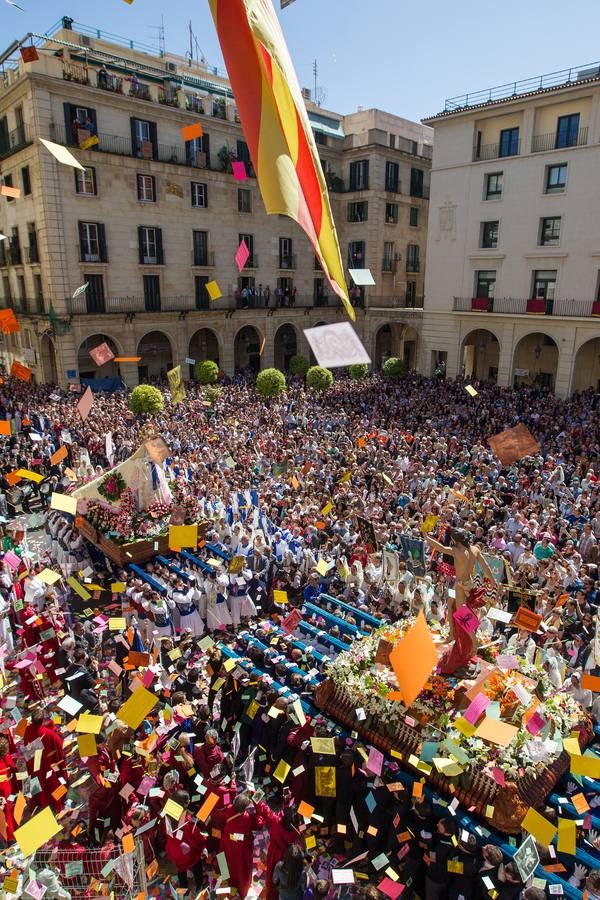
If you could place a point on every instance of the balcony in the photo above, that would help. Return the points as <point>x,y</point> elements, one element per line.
<point>413,266</point>
<point>120,145</point>
<point>13,255</point>
<point>541,143</point>
<point>25,306</point>
<point>493,151</point>
<point>287,262</point>
<point>32,254</point>
<point>396,302</point>
<point>168,97</point>
<point>203,260</point>
<point>140,91</point>
<point>79,306</point>
<point>511,306</point>
<point>389,264</point>
<point>14,141</point>
<point>106,81</point>
<point>75,72</point>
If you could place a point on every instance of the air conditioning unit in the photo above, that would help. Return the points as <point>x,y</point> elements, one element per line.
<point>85,40</point>
<point>306,93</point>
<point>172,67</point>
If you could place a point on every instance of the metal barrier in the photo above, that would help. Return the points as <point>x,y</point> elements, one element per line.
<point>80,871</point>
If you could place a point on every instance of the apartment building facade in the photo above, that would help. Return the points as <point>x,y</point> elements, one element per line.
<point>154,218</point>
<point>513,258</point>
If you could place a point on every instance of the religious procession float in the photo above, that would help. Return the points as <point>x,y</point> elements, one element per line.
<point>497,742</point>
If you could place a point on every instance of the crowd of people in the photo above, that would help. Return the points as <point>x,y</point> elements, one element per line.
<point>311,492</point>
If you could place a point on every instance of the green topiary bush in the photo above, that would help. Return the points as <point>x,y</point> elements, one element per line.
<point>394,367</point>
<point>299,365</point>
<point>146,399</point>
<point>212,392</point>
<point>358,371</point>
<point>270,383</point>
<point>207,371</point>
<point>319,379</point>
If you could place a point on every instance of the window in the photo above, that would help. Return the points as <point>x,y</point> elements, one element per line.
<point>6,288</point>
<point>8,181</point>
<point>485,283</point>
<point>358,211</point>
<point>26,180</point>
<point>94,295</point>
<point>21,287</point>
<point>567,131</point>
<point>416,182</point>
<point>151,293</point>
<point>243,155</point>
<point>146,188</point>
<point>413,218</point>
<point>249,241</point>
<point>509,142</point>
<point>489,235</point>
<point>391,213</point>
<point>316,263</point>
<point>37,287</point>
<point>144,139</point>
<point>359,175</point>
<point>15,247</point>
<point>199,195</point>
<point>92,242</point>
<point>85,181</point>
<point>150,246</point>
<point>544,284</point>
<point>200,242</point>
<point>32,252</point>
<point>356,255</point>
<point>411,293</point>
<point>549,231</point>
<point>493,185</point>
<point>392,141</point>
<point>556,178</point>
<point>200,292</point>
<point>286,257</point>
<point>392,177</point>
<point>80,123</point>
<point>320,138</point>
<point>388,257</point>
<point>20,123</point>
<point>412,258</point>
<point>197,152</point>
<point>244,200</point>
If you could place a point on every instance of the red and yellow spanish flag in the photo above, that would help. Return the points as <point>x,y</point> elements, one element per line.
<point>277,128</point>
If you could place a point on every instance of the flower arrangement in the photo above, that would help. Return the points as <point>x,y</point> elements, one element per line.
<point>112,486</point>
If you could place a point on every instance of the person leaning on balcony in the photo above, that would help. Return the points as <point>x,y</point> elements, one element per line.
<point>103,77</point>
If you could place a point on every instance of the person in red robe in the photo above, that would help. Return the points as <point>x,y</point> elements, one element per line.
<point>8,786</point>
<point>186,844</point>
<point>208,755</point>
<point>52,767</point>
<point>237,839</point>
<point>104,805</point>
<point>283,832</point>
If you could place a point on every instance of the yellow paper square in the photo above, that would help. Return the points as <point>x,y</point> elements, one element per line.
<point>282,771</point>
<point>63,503</point>
<point>542,830</point>
<point>571,745</point>
<point>327,509</point>
<point>134,711</point>
<point>213,290</point>
<point>280,597</point>
<point>586,765</point>
<point>78,588</point>
<point>310,842</point>
<point>117,587</point>
<point>464,726</point>
<point>86,744</point>
<point>48,576</point>
<point>31,476</point>
<point>470,390</point>
<point>322,567</point>
<point>183,536</point>
<point>567,831</point>
<point>34,834</point>
<point>117,623</point>
<point>173,809</point>
<point>89,724</point>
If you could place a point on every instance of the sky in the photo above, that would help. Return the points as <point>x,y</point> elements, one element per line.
<point>403,57</point>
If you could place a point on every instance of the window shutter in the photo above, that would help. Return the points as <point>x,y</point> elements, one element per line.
<point>154,197</point>
<point>138,183</point>
<point>206,148</point>
<point>94,180</point>
<point>102,242</point>
<point>69,110</point>
<point>134,143</point>
<point>159,247</point>
<point>189,154</point>
<point>75,171</point>
<point>141,242</point>
<point>82,245</point>
<point>154,140</point>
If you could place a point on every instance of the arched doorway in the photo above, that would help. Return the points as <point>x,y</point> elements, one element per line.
<point>481,355</point>
<point>247,349</point>
<point>535,361</point>
<point>157,356</point>
<point>48,354</point>
<point>87,367</point>
<point>204,344</point>
<point>586,370</point>
<point>311,356</point>
<point>286,346</point>
<point>390,341</point>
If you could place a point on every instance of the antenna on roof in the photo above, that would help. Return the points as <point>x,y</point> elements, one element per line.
<point>161,34</point>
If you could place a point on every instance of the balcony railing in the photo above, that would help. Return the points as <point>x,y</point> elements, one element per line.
<point>106,81</point>
<point>140,90</point>
<point>82,306</point>
<point>287,262</point>
<point>25,306</point>
<point>389,264</point>
<point>494,151</point>
<point>544,142</point>
<point>121,146</point>
<point>412,266</point>
<point>564,306</point>
<point>75,72</point>
<point>14,140</point>
<point>395,302</point>
<point>204,260</point>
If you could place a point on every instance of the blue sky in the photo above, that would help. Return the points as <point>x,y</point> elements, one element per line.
<point>403,57</point>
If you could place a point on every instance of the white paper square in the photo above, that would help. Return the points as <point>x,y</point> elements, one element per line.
<point>361,277</point>
<point>336,345</point>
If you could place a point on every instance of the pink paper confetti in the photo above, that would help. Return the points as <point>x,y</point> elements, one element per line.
<point>239,171</point>
<point>12,559</point>
<point>242,255</point>
<point>375,761</point>
<point>391,888</point>
<point>85,404</point>
<point>102,354</point>
<point>535,723</point>
<point>467,620</point>
<point>475,708</point>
